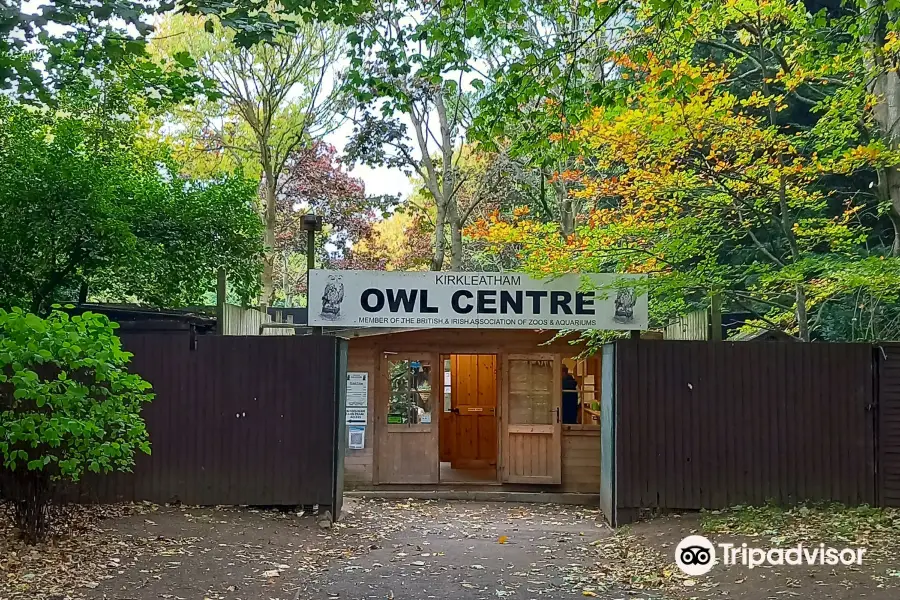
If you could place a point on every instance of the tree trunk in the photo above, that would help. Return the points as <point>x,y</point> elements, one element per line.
<point>448,184</point>
<point>566,208</point>
<point>887,116</point>
<point>268,274</point>
<point>885,86</point>
<point>285,279</point>
<point>456,245</point>
<point>889,188</point>
<point>802,316</point>
<point>437,258</point>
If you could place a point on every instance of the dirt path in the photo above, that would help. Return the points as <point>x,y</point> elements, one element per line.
<point>412,551</point>
<point>380,550</point>
<point>467,550</point>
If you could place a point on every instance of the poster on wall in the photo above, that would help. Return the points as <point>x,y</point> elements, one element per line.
<point>356,415</point>
<point>357,437</point>
<point>476,300</point>
<point>357,398</point>
<point>357,389</point>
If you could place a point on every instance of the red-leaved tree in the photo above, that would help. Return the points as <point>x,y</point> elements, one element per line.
<point>316,181</point>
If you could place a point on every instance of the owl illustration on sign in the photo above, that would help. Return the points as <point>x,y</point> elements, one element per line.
<point>625,301</point>
<point>332,297</point>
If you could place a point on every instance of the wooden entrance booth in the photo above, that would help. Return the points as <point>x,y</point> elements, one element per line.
<point>462,407</point>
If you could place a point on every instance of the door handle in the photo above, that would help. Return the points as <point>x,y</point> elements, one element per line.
<point>454,411</point>
<point>557,414</point>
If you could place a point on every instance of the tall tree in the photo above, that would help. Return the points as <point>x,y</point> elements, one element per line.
<point>401,242</point>
<point>316,181</point>
<point>414,69</point>
<point>89,200</point>
<point>276,98</point>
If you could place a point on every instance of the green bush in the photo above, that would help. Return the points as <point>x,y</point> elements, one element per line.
<point>67,404</point>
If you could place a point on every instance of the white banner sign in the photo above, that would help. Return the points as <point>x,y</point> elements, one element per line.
<point>474,300</point>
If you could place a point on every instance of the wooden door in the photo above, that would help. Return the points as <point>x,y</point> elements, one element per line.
<point>531,421</point>
<point>473,382</point>
<point>407,419</point>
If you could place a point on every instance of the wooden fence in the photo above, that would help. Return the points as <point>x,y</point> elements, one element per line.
<point>236,420</point>
<point>710,425</point>
<point>237,320</point>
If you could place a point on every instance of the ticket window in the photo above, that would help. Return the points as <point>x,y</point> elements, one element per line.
<point>410,392</point>
<point>581,391</point>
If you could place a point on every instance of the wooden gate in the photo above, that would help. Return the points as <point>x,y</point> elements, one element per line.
<point>531,421</point>
<point>236,420</point>
<point>714,424</point>
<point>888,357</point>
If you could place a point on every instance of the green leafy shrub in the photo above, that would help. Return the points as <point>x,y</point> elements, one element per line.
<point>67,404</point>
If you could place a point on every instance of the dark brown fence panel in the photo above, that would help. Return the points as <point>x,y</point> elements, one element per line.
<point>710,425</point>
<point>889,424</point>
<point>236,420</point>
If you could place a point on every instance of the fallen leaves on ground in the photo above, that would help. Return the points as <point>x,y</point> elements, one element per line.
<point>79,553</point>
<point>623,560</point>
<point>402,549</point>
<point>877,529</point>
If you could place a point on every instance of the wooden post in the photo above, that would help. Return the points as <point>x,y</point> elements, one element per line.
<point>310,266</point>
<point>715,318</point>
<point>221,296</point>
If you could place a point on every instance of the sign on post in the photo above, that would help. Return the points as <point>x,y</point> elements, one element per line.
<point>475,300</point>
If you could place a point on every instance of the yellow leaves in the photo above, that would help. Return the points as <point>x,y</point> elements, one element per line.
<point>867,154</point>
<point>758,100</point>
<point>502,539</point>
<point>892,42</point>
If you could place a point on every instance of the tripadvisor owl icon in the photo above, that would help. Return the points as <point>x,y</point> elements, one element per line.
<point>695,555</point>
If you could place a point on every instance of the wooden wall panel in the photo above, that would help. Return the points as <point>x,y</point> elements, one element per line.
<point>358,464</point>
<point>581,459</point>
<point>408,459</point>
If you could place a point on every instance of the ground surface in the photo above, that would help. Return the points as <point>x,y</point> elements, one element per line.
<point>421,550</point>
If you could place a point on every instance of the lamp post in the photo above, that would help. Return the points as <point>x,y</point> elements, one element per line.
<point>311,223</point>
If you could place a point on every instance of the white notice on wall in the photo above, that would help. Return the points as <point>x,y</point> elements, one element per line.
<point>357,438</point>
<point>356,415</point>
<point>357,389</point>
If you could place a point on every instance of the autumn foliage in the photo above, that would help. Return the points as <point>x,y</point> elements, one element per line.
<point>702,189</point>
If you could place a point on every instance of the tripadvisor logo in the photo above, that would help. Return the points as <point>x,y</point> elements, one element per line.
<point>695,555</point>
